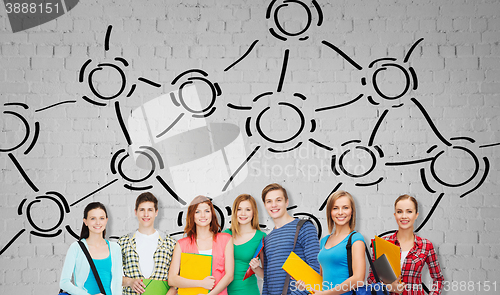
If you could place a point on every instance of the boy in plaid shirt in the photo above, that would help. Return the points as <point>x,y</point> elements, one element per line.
<point>146,252</point>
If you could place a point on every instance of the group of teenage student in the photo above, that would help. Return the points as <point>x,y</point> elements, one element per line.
<point>149,253</point>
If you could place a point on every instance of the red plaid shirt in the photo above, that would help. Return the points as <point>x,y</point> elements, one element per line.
<point>411,270</point>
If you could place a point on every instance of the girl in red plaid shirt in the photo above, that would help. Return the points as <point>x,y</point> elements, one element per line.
<point>415,252</point>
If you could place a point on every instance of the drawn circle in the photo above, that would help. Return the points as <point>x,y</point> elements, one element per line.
<point>26,130</point>
<point>384,68</point>
<point>313,219</point>
<point>301,128</point>
<point>220,214</point>
<point>30,219</point>
<point>99,68</point>
<point>364,149</point>
<point>120,170</point>
<point>438,179</point>
<point>281,29</point>
<point>212,99</point>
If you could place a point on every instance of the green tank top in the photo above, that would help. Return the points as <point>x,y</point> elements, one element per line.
<point>242,255</point>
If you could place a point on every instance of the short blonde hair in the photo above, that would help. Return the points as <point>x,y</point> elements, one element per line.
<point>329,206</point>
<point>235,229</point>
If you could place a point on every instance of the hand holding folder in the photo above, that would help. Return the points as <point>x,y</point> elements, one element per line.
<point>195,267</point>
<point>250,271</point>
<point>299,270</point>
<point>391,251</point>
<point>155,287</point>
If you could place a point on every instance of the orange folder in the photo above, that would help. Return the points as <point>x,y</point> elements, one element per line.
<point>195,267</point>
<point>300,270</point>
<point>391,251</point>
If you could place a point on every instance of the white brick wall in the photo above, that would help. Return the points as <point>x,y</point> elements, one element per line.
<point>459,84</point>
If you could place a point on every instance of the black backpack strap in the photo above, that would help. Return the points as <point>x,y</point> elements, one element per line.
<point>349,262</point>
<point>287,279</point>
<point>92,266</point>
<point>348,247</point>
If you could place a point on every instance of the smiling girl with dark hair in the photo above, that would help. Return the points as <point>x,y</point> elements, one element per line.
<point>106,256</point>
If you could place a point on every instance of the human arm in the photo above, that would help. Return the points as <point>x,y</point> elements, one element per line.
<point>255,264</point>
<point>308,241</point>
<point>228,269</point>
<point>69,266</point>
<point>435,271</point>
<point>172,291</point>
<point>175,280</point>
<point>136,284</point>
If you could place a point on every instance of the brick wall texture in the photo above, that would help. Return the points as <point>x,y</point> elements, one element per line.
<point>376,97</point>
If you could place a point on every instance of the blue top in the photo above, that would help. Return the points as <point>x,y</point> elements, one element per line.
<point>278,245</point>
<point>334,261</point>
<point>103,267</point>
<point>76,270</point>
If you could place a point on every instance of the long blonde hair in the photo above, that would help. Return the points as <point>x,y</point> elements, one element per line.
<point>329,206</point>
<point>235,229</point>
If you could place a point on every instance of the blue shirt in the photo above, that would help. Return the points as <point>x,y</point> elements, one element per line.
<point>278,245</point>
<point>334,261</point>
<point>103,267</point>
<point>76,270</point>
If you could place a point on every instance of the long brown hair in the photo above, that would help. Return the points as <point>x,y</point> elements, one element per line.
<point>190,229</point>
<point>234,219</point>
<point>329,206</point>
<point>85,229</point>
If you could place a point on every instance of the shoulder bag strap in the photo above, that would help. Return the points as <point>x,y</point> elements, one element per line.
<point>287,279</point>
<point>349,261</point>
<point>92,266</point>
<point>348,247</point>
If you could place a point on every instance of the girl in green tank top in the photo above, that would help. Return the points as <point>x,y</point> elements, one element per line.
<point>247,236</point>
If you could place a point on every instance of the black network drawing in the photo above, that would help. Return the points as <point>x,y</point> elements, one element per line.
<point>264,103</point>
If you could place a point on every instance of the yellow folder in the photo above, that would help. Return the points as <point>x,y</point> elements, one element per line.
<point>195,267</point>
<point>300,270</point>
<point>391,251</point>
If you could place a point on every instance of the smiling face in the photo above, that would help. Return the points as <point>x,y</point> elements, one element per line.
<point>203,215</point>
<point>405,214</point>
<point>276,204</point>
<point>146,214</point>
<point>244,212</point>
<point>341,211</point>
<point>96,221</point>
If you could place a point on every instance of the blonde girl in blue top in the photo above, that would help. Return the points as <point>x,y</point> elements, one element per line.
<point>106,255</point>
<point>341,218</point>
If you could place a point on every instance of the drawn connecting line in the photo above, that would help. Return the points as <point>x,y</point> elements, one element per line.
<point>375,94</point>
<point>116,66</point>
<point>39,228</point>
<point>175,125</point>
<point>277,13</point>
<point>450,150</point>
<point>16,113</point>
<point>438,159</point>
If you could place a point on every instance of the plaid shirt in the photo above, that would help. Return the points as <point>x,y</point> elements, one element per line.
<point>411,270</point>
<point>162,258</point>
